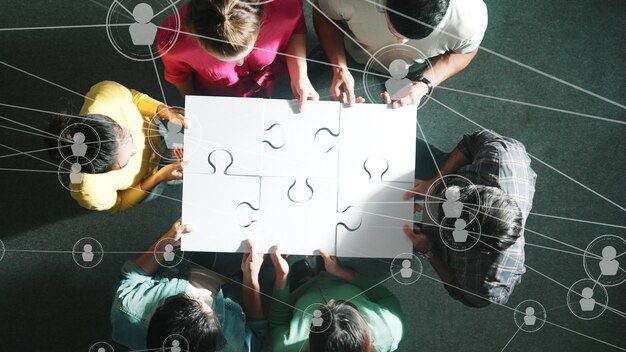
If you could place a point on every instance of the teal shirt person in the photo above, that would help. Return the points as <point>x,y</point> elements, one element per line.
<point>137,296</point>
<point>291,313</point>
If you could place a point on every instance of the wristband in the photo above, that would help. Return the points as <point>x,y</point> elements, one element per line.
<point>428,254</point>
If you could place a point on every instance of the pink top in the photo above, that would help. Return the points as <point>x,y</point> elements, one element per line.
<point>260,69</point>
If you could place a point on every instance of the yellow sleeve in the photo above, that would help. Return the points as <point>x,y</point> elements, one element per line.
<point>107,198</point>
<point>146,104</point>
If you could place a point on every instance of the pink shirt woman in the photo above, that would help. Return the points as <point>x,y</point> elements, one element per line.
<point>198,63</point>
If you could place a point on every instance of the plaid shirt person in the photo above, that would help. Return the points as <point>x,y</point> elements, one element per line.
<point>500,162</point>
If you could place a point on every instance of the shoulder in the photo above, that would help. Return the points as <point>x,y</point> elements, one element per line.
<point>467,18</point>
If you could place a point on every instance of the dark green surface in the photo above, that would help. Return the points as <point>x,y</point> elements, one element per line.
<point>48,303</point>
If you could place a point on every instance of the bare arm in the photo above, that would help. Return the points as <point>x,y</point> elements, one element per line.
<point>186,87</point>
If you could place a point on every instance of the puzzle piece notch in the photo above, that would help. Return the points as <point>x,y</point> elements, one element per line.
<point>326,140</point>
<point>211,202</point>
<point>276,136</point>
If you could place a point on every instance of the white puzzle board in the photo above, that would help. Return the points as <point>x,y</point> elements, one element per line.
<point>331,177</point>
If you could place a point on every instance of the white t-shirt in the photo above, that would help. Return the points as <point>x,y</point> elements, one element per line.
<point>461,30</point>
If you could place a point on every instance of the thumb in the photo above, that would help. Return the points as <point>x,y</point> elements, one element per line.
<point>408,231</point>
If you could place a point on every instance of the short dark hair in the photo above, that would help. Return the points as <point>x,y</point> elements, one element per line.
<point>343,329</point>
<point>183,315</point>
<point>428,14</point>
<point>500,218</point>
<point>102,139</point>
<point>232,23</point>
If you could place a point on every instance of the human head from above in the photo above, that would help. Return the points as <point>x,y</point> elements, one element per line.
<point>414,19</point>
<point>343,330</point>
<point>109,145</point>
<point>498,214</point>
<point>186,316</point>
<point>226,29</point>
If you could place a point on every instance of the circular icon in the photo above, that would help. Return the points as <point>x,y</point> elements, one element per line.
<point>602,260</point>
<point>587,299</point>
<point>84,145</point>
<point>165,136</point>
<point>87,252</point>
<point>71,174</point>
<point>529,315</point>
<point>387,70</point>
<point>458,235</point>
<point>406,268</point>
<point>167,253</point>
<point>101,347</point>
<point>132,28</point>
<point>321,317</point>
<point>2,250</point>
<point>443,196</point>
<point>175,343</point>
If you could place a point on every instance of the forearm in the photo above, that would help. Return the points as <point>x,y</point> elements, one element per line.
<point>446,274</point>
<point>447,65</point>
<point>147,260</point>
<point>455,161</point>
<point>186,87</point>
<point>330,37</point>
<point>296,59</point>
<point>252,298</point>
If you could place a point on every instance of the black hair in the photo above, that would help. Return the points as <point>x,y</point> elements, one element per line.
<point>343,329</point>
<point>499,215</point>
<point>185,316</point>
<point>428,14</point>
<point>101,137</point>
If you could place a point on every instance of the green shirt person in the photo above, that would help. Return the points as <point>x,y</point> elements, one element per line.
<point>331,308</point>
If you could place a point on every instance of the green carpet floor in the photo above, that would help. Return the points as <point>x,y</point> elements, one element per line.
<point>48,303</point>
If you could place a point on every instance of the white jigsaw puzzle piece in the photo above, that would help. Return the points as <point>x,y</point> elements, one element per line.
<point>375,130</point>
<point>300,228</point>
<point>225,123</point>
<point>300,155</point>
<point>210,203</point>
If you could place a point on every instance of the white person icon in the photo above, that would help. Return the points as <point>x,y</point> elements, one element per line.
<point>79,148</point>
<point>175,136</point>
<point>608,264</point>
<point>452,207</point>
<point>398,86</point>
<point>587,303</point>
<point>168,256</point>
<point>317,318</point>
<point>529,317</point>
<point>87,253</point>
<point>406,272</point>
<point>143,32</point>
<point>75,176</point>
<point>460,233</point>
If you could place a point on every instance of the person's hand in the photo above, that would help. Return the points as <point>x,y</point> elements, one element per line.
<point>281,268</point>
<point>342,87</point>
<point>179,154</point>
<point>251,263</point>
<point>334,268</point>
<point>176,115</point>
<point>177,230</point>
<point>419,240</point>
<point>172,172</point>
<point>420,190</point>
<point>303,90</point>
<point>416,93</point>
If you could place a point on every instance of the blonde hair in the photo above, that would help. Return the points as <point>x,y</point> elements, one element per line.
<point>224,27</point>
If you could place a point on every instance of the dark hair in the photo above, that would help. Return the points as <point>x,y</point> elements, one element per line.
<point>343,329</point>
<point>233,24</point>
<point>499,215</point>
<point>183,315</point>
<point>428,14</point>
<point>101,137</point>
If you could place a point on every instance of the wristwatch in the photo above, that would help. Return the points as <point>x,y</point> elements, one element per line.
<point>427,82</point>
